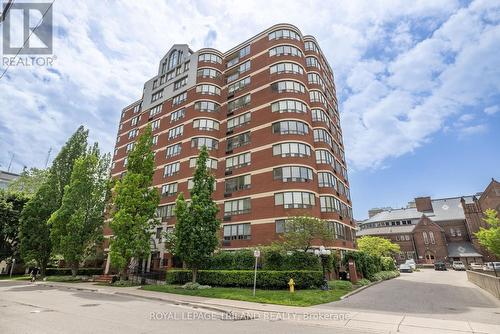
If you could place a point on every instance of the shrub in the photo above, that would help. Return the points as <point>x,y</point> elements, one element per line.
<point>387,263</point>
<point>363,282</point>
<point>244,278</point>
<point>340,285</point>
<point>367,264</point>
<point>66,278</point>
<point>194,286</point>
<point>274,259</point>
<point>384,275</point>
<point>227,260</point>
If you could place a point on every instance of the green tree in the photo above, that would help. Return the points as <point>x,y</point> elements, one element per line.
<point>377,246</point>
<point>196,223</point>
<point>34,230</point>
<point>490,237</point>
<point>134,206</point>
<point>29,181</point>
<point>301,232</point>
<point>77,225</point>
<point>11,205</point>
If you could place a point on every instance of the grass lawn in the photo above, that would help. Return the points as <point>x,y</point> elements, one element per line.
<point>281,297</point>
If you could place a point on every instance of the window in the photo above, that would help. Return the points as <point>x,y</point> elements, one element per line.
<point>285,50</point>
<point>175,132</point>
<point>238,121</point>
<point>165,211</point>
<point>208,73</point>
<point>293,174</point>
<point>237,183</point>
<point>310,46</point>
<point>452,232</point>
<point>289,106</point>
<point>292,150</point>
<point>179,99</point>
<point>208,89</point>
<point>238,161</point>
<point>245,51</point>
<point>238,103</point>
<point>312,62</point>
<point>171,169</point>
<point>288,86</point>
<point>133,133</point>
<point>155,140</point>
<point>321,135</point>
<point>210,58</point>
<point>155,125</point>
<point>129,147</point>
<point>317,96</point>
<point>206,106</point>
<point>338,229</point>
<point>286,68</point>
<point>237,232</point>
<point>210,143</point>
<point>324,157</point>
<point>174,58</point>
<point>426,239</point>
<point>290,128</point>
<point>169,189</point>
<point>125,162</point>
<point>237,207</point>
<point>159,231</point>
<point>284,33</point>
<point>211,163</point>
<point>459,232</point>
<point>329,204</point>
<point>205,124</point>
<point>281,225</point>
<point>190,184</point>
<point>294,199</point>
<point>155,110</point>
<point>319,115</point>
<point>180,83</point>
<point>137,108</point>
<point>157,95</point>
<point>327,180</point>
<point>233,88</point>
<point>238,141</point>
<point>431,236</point>
<point>135,120</point>
<point>170,75</point>
<point>177,115</point>
<point>186,66</point>
<point>174,150</point>
<point>314,78</point>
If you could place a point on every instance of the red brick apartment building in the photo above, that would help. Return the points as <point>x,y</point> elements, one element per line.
<point>430,230</point>
<point>268,113</point>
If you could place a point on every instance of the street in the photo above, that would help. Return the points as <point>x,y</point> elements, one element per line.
<point>427,293</point>
<point>26,308</point>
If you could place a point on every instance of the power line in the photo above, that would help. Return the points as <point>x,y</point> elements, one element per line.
<point>27,39</point>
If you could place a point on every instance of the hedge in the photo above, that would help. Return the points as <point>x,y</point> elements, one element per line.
<point>385,275</point>
<point>266,279</point>
<point>67,271</point>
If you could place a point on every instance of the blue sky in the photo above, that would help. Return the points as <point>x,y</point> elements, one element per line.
<point>418,82</point>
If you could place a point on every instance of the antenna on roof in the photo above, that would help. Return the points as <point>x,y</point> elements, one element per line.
<point>10,162</point>
<point>48,156</point>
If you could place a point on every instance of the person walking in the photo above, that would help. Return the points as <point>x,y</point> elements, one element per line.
<point>34,272</point>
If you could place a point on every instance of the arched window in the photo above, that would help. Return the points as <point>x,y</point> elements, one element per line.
<point>174,58</point>
<point>431,236</point>
<point>426,239</point>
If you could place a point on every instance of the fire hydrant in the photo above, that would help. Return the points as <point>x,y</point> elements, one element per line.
<point>291,284</point>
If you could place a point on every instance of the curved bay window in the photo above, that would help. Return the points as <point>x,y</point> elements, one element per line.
<point>295,199</point>
<point>290,128</point>
<point>293,174</point>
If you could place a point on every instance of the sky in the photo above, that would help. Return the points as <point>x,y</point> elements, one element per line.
<point>418,82</point>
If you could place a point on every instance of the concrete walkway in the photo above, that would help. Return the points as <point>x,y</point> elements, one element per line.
<point>338,317</point>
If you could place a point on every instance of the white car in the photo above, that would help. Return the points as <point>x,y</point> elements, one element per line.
<point>458,265</point>
<point>488,266</point>
<point>412,264</point>
<point>476,266</point>
<point>405,268</point>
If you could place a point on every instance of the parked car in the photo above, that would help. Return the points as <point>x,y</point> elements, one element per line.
<point>458,265</point>
<point>405,268</point>
<point>475,266</point>
<point>440,266</point>
<point>488,266</point>
<point>411,263</point>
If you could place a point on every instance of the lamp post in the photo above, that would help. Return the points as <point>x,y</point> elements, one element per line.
<point>256,254</point>
<point>323,253</point>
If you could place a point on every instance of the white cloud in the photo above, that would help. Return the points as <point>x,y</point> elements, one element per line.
<point>491,110</point>
<point>403,69</point>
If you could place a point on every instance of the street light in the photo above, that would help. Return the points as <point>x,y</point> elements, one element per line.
<point>323,253</point>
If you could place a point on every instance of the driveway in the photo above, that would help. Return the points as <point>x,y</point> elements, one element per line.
<point>432,294</point>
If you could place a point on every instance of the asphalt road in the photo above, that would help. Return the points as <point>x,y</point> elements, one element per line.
<point>34,309</point>
<point>432,294</point>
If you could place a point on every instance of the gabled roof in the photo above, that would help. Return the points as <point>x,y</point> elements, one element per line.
<point>401,229</point>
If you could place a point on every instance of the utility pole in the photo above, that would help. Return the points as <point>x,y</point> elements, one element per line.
<point>10,162</point>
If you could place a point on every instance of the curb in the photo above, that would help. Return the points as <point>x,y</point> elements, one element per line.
<point>67,287</point>
<point>358,290</point>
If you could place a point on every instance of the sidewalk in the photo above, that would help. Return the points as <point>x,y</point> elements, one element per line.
<point>373,322</point>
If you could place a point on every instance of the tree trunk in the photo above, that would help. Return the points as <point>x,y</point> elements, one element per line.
<point>123,274</point>
<point>195,274</point>
<point>43,269</point>
<point>74,269</point>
